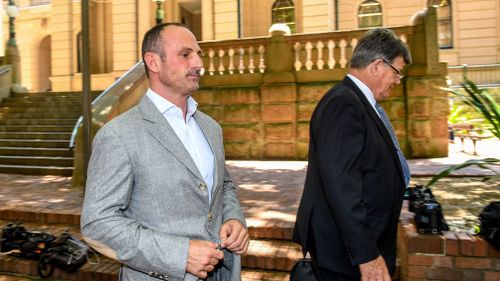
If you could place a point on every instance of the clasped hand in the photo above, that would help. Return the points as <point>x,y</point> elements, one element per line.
<point>205,255</point>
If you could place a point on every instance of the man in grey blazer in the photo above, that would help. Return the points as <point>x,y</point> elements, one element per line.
<point>158,197</point>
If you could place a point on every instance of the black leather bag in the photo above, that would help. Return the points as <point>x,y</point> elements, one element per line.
<point>303,271</point>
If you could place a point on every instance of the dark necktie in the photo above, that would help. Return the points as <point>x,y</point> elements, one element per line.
<point>402,159</point>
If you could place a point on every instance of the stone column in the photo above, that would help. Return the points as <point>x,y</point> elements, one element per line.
<point>125,53</point>
<point>279,101</point>
<point>207,20</point>
<point>427,103</point>
<point>62,44</point>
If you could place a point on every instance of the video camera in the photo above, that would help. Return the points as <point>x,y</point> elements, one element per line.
<point>65,252</point>
<point>428,213</point>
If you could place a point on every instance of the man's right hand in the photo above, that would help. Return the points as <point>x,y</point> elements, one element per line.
<point>375,270</point>
<point>202,258</point>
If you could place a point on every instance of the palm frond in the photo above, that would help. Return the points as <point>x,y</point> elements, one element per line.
<point>481,163</point>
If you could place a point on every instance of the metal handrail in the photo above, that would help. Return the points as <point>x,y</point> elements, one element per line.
<point>484,75</point>
<point>5,69</point>
<point>103,103</point>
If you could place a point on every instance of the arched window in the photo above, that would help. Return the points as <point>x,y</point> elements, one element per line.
<point>370,14</point>
<point>283,11</point>
<point>445,24</point>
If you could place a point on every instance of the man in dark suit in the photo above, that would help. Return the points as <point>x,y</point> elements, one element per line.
<point>348,215</point>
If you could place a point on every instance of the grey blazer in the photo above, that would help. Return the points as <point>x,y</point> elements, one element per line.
<point>145,197</point>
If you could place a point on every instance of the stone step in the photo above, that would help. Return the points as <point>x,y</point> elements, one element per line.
<point>108,269</point>
<point>36,151</point>
<point>278,255</point>
<point>51,94</point>
<point>51,109</point>
<point>38,121</point>
<point>36,135</point>
<point>60,102</point>
<point>37,115</point>
<point>5,276</point>
<point>34,143</point>
<point>248,274</point>
<point>271,230</point>
<point>36,128</point>
<point>36,160</point>
<point>52,98</point>
<point>36,170</point>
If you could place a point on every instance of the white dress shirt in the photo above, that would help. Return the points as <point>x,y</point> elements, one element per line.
<point>365,90</point>
<point>190,134</point>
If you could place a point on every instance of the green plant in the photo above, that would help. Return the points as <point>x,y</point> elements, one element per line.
<point>483,103</point>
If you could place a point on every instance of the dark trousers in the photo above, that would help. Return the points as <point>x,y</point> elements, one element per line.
<point>328,275</point>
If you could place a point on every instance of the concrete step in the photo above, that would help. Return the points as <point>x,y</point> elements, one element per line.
<point>37,161</point>
<point>34,143</point>
<point>36,135</point>
<point>36,128</point>
<point>38,121</point>
<point>36,151</point>
<point>36,170</point>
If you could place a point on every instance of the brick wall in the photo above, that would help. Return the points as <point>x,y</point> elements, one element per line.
<point>453,256</point>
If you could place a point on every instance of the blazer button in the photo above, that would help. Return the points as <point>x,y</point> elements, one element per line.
<point>210,216</point>
<point>202,186</point>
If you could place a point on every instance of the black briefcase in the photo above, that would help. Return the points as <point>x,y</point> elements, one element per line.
<point>303,271</point>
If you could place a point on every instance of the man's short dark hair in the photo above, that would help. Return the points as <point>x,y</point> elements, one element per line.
<point>153,42</point>
<point>380,43</point>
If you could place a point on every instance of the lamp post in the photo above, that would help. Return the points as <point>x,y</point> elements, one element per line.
<point>12,53</point>
<point>160,14</point>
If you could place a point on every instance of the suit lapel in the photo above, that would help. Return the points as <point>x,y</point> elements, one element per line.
<point>378,122</point>
<point>160,129</point>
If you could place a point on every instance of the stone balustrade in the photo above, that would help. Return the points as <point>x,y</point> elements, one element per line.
<point>328,50</point>
<point>234,56</point>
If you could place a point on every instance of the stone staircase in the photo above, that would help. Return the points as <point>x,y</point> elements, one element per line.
<point>35,129</point>
<point>270,256</point>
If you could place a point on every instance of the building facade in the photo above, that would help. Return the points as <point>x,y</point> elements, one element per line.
<point>49,40</point>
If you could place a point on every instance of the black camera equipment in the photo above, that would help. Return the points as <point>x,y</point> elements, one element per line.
<point>490,223</point>
<point>28,244</point>
<point>428,213</point>
<point>65,252</point>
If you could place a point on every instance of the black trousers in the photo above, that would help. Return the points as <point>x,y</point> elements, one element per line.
<point>328,275</point>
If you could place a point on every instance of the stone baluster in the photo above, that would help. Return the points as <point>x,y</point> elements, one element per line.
<point>343,59</point>
<point>298,63</point>
<point>309,63</point>
<point>231,57</point>
<point>331,54</point>
<point>221,62</point>
<point>319,46</point>
<point>211,68</point>
<point>354,42</point>
<point>403,38</point>
<point>262,65</point>
<point>241,66</point>
<point>251,65</point>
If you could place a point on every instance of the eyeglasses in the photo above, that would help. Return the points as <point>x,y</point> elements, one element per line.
<point>396,71</point>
